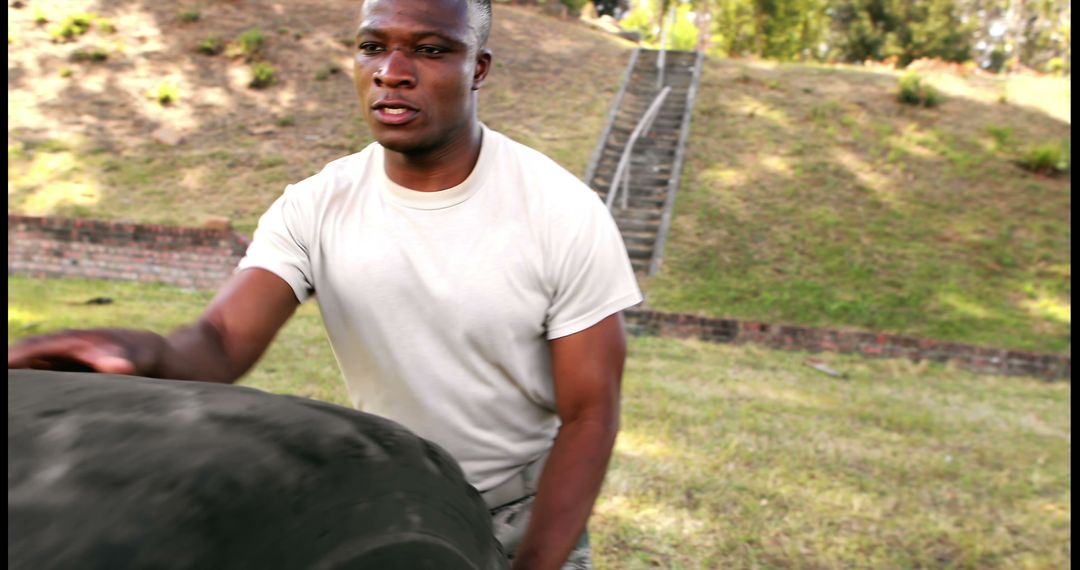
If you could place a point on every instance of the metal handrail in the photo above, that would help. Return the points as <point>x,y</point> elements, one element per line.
<point>624,161</point>
<point>663,44</point>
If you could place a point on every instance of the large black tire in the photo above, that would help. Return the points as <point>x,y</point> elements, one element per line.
<point>116,472</point>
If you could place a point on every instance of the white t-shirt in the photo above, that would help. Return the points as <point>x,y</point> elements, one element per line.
<point>439,305</point>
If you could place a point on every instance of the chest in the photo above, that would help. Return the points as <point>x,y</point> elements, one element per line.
<point>476,273</point>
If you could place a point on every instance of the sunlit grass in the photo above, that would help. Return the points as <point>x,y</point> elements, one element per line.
<point>741,457</point>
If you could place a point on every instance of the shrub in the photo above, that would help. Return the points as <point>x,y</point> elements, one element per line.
<point>211,46</point>
<point>285,121</point>
<point>165,93</point>
<point>914,91</point>
<point>248,45</point>
<point>1047,158</point>
<point>262,75</point>
<point>73,26</point>
<point>65,72</point>
<point>40,18</point>
<point>190,16</point>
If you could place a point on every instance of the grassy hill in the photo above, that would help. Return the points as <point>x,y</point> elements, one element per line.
<point>81,133</point>
<point>810,196</point>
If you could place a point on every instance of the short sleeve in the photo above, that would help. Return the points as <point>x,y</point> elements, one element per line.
<point>281,243</point>
<point>590,270</point>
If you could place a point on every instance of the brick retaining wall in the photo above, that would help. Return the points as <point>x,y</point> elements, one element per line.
<point>790,337</point>
<point>197,258</point>
<point>202,258</point>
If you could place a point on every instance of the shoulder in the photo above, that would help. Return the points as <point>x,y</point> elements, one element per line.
<point>340,175</point>
<point>544,183</point>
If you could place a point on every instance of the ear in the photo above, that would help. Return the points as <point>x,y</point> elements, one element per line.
<point>483,65</point>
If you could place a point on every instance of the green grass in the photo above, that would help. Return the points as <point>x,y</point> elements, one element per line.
<point>77,178</point>
<point>740,457</point>
<point>841,207</point>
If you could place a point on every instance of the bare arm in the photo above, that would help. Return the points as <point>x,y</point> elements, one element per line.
<point>223,344</point>
<point>588,369</point>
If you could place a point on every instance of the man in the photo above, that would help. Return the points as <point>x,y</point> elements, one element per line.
<point>470,287</point>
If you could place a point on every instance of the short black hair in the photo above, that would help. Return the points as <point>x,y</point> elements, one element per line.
<point>483,29</point>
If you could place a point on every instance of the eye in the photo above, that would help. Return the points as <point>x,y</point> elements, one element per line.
<point>431,50</point>
<point>370,48</point>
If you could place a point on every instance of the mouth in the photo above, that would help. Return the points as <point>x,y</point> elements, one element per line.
<point>392,112</point>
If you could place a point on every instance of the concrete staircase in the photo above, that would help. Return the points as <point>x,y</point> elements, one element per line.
<point>657,157</point>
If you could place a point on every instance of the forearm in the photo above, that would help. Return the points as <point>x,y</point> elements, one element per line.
<point>569,485</point>
<point>198,352</point>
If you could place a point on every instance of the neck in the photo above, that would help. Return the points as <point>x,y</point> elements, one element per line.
<point>437,169</point>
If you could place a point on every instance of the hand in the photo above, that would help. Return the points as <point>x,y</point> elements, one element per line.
<point>114,351</point>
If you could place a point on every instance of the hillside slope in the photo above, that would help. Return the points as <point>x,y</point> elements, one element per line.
<point>811,196</point>
<point>81,133</point>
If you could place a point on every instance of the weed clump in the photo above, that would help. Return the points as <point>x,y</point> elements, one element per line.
<point>73,26</point>
<point>248,45</point>
<point>262,75</point>
<point>96,55</point>
<point>326,71</point>
<point>165,93</point>
<point>105,26</point>
<point>1049,159</point>
<point>1003,136</point>
<point>211,46</point>
<point>189,16</point>
<point>915,91</point>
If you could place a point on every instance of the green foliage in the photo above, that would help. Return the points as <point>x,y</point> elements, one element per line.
<point>326,71</point>
<point>902,30</point>
<point>94,55</point>
<point>915,91</point>
<point>40,17</point>
<point>66,72</point>
<point>248,45</point>
<point>575,6</point>
<point>262,75</point>
<point>165,93</point>
<point>683,34</point>
<point>285,121</point>
<point>1046,158</point>
<point>105,26</point>
<point>73,26</point>
<point>189,16</point>
<point>1002,136</point>
<point>642,20</point>
<point>212,45</point>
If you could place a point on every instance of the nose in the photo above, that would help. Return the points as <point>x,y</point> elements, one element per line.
<point>396,71</point>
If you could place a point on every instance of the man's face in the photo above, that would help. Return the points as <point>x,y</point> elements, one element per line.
<point>417,64</point>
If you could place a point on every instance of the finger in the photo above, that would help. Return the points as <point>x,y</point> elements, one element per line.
<point>44,352</point>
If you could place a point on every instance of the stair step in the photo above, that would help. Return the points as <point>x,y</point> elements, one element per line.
<point>645,239</point>
<point>638,250</point>
<point>636,225</point>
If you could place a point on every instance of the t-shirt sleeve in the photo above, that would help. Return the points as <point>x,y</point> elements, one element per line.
<point>281,243</point>
<point>590,269</point>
